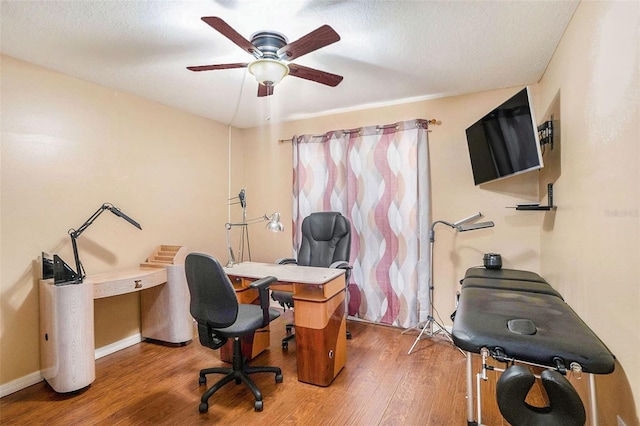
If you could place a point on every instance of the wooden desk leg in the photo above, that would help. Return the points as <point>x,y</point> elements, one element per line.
<point>321,339</point>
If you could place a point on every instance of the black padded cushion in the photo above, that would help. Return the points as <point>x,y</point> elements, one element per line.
<point>249,319</point>
<point>503,274</point>
<point>565,406</point>
<point>326,238</point>
<point>510,284</point>
<point>482,321</point>
<point>213,298</point>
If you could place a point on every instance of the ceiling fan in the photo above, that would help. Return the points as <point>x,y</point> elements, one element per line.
<point>271,50</point>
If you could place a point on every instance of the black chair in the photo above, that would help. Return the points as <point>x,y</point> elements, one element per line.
<point>215,307</point>
<point>326,242</point>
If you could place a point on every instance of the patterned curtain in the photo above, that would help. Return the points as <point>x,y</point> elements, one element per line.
<point>378,178</point>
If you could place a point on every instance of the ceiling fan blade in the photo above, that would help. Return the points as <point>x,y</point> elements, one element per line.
<point>264,90</point>
<point>217,67</point>
<point>225,29</point>
<point>312,74</point>
<point>321,37</point>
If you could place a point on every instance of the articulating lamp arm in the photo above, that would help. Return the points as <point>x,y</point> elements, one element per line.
<point>461,225</point>
<point>274,225</point>
<point>432,232</point>
<point>229,225</point>
<point>263,218</point>
<point>75,233</point>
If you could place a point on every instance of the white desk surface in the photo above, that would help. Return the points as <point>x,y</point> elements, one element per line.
<point>284,273</point>
<point>114,283</point>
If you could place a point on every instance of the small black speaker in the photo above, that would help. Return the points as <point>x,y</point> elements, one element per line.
<point>492,261</point>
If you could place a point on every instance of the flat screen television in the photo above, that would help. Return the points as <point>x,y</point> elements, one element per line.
<point>505,142</point>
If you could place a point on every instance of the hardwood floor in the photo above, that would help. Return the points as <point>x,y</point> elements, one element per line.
<point>149,384</point>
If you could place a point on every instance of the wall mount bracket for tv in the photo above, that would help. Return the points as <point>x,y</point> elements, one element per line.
<point>537,206</point>
<point>545,133</point>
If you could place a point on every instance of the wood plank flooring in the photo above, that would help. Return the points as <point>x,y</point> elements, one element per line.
<point>150,384</point>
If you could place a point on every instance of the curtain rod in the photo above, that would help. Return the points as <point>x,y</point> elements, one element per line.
<point>431,121</point>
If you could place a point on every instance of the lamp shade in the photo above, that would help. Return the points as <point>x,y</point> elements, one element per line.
<point>274,224</point>
<point>268,72</point>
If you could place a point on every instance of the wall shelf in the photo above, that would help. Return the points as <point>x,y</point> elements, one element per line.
<point>535,208</point>
<point>538,207</point>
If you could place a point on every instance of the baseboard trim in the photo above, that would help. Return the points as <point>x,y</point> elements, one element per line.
<point>34,378</point>
<point>116,346</point>
<point>20,383</point>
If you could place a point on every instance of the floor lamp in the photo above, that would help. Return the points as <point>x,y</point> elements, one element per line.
<point>273,225</point>
<point>431,327</point>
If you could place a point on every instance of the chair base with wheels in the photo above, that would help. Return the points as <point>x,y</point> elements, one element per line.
<point>239,372</point>
<point>288,337</point>
<point>285,299</point>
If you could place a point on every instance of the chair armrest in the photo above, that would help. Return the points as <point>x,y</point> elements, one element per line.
<point>262,285</point>
<point>286,261</point>
<point>341,264</point>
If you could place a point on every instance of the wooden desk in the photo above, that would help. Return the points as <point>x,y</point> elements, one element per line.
<point>319,314</point>
<point>67,343</point>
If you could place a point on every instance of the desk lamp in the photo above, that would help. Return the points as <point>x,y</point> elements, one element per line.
<point>75,233</point>
<point>462,225</point>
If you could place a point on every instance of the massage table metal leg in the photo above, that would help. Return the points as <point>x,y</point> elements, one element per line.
<point>479,396</point>
<point>470,420</point>
<point>593,409</point>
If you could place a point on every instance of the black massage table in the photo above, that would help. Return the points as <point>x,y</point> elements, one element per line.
<point>517,317</point>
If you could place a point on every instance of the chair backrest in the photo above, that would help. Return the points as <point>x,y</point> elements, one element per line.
<point>213,298</point>
<point>326,238</point>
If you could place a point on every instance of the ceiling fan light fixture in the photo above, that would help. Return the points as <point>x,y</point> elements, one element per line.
<point>268,72</point>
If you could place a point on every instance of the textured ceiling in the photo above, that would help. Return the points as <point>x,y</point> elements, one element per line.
<point>389,52</point>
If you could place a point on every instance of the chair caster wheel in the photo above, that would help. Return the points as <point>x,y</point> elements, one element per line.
<point>202,381</point>
<point>285,345</point>
<point>258,406</point>
<point>204,407</point>
<point>279,378</point>
<point>289,329</point>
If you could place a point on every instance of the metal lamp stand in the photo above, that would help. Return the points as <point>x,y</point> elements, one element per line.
<point>431,327</point>
<point>274,225</point>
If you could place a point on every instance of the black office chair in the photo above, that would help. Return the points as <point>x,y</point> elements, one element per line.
<point>326,242</point>
<point>215,307</point>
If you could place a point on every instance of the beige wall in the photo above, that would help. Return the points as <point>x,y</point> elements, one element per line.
<point>591,247</point>
<point>145,158</point>
<point>67,147</point>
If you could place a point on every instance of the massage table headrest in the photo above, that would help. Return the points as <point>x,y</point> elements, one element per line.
<point>565,406</point>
